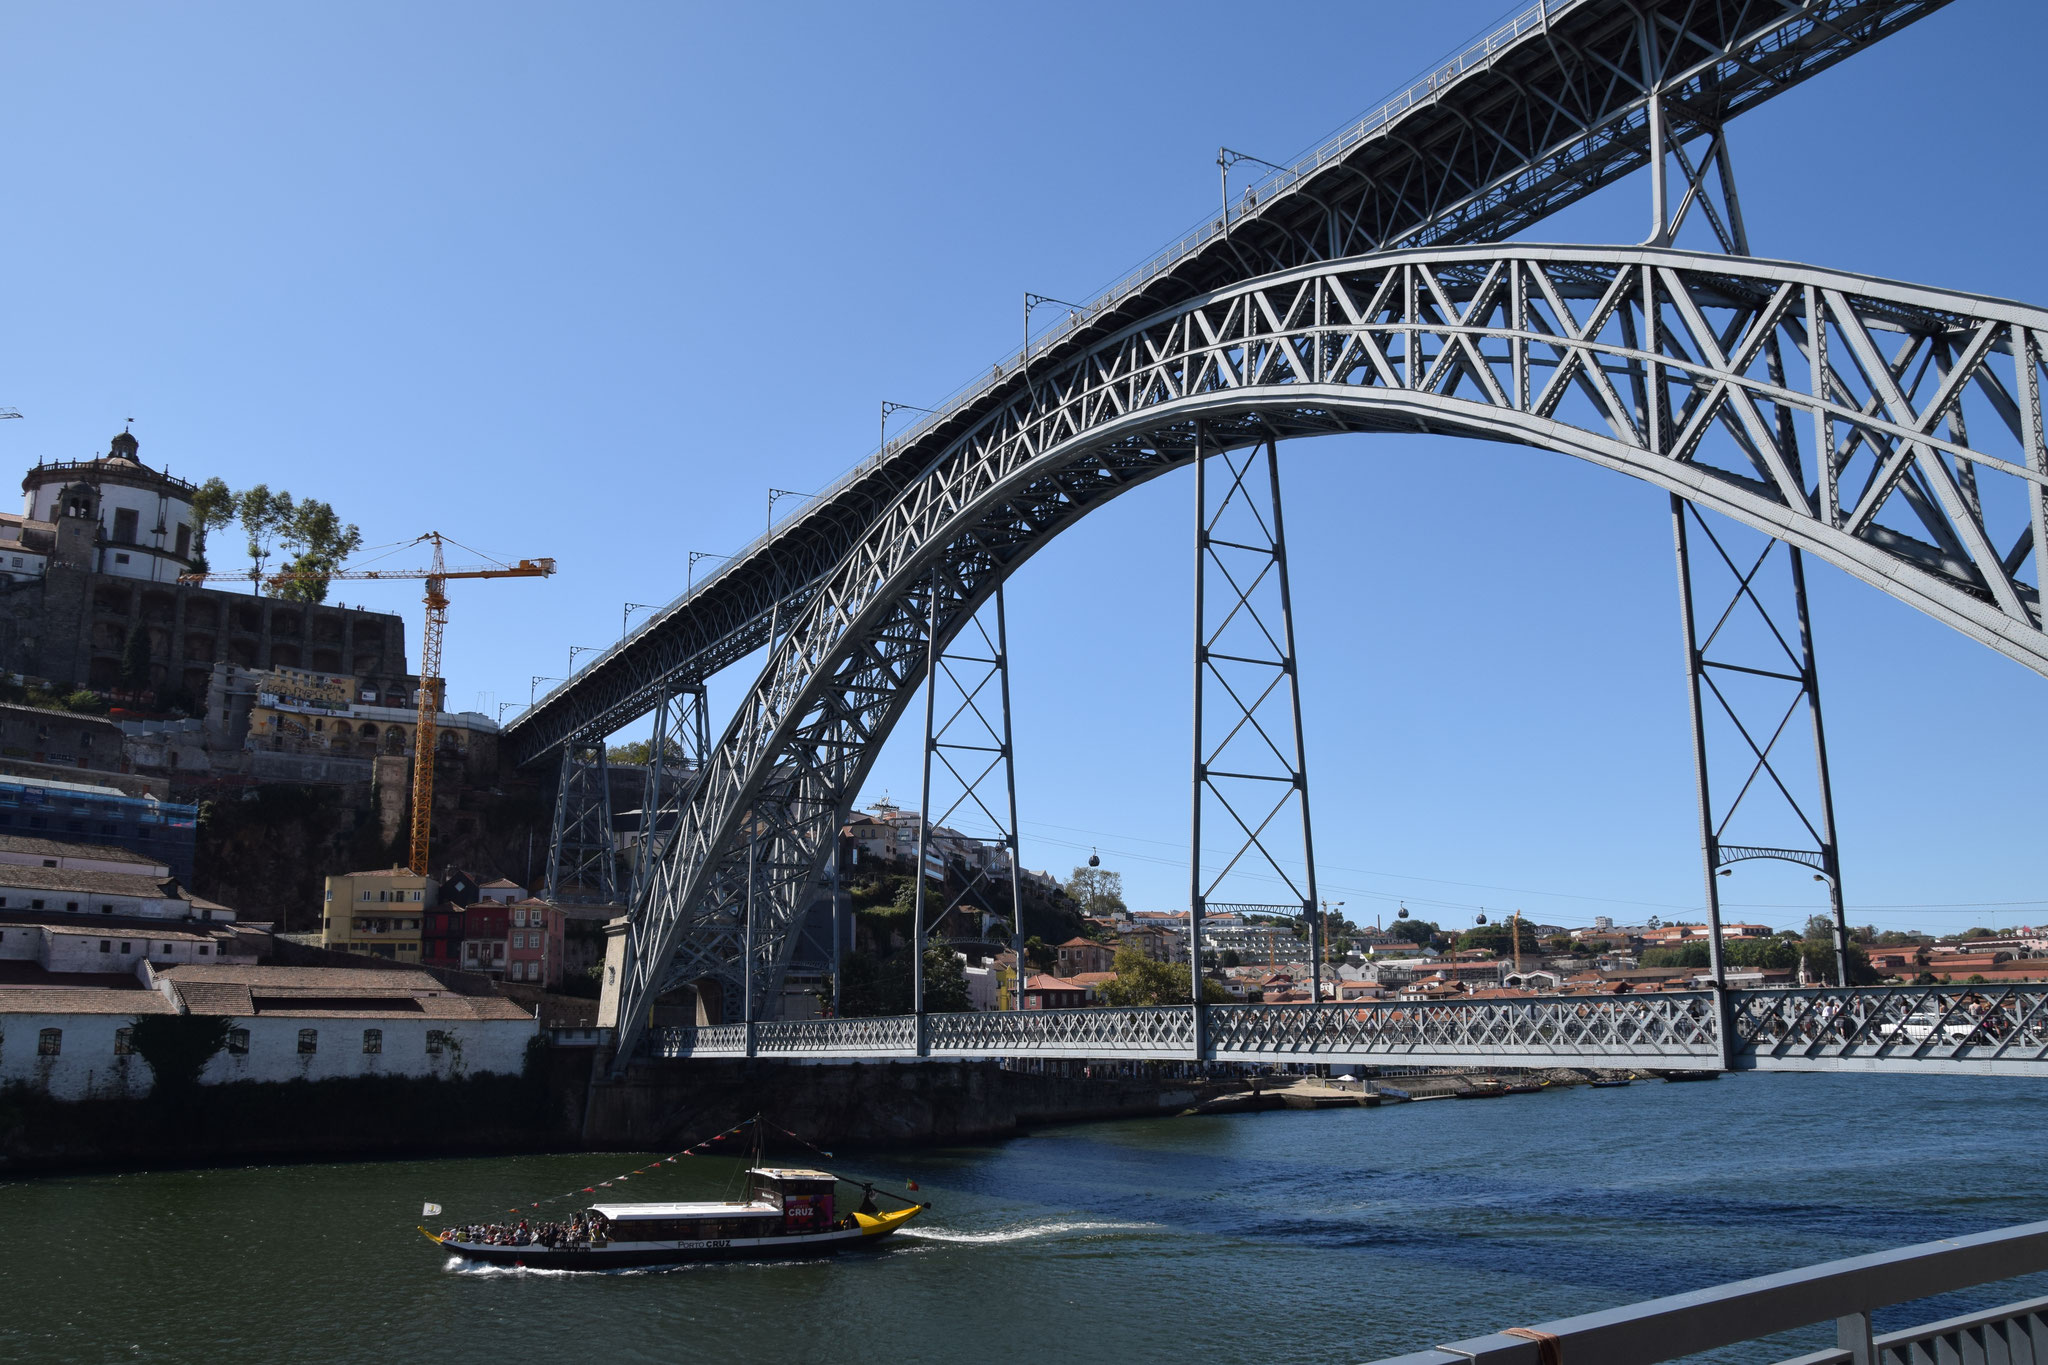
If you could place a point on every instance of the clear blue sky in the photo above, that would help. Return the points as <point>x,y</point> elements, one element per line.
<point>586,281</point>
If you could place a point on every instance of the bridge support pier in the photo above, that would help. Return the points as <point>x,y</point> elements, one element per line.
<point>1250,755</point>
<point>969,738</point>
<point>1767,654</point>
<point>582,863</point>
<point>1784,670</point>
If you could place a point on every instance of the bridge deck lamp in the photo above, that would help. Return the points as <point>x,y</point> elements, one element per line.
<point>538,679</point>
<point>574,650</point>
<point>627,615</point>
<point>1032,301</point>
<point>1225,159</point>
<point>889,407</point>
<point>695,555</point>
<point>776,495</point>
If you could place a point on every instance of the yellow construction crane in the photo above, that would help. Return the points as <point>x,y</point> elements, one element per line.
<point>437,575</point>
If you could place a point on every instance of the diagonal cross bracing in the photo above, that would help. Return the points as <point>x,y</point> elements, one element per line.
<point>1130,409</point>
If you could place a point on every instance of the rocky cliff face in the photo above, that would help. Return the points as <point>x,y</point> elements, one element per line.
<point>266,851</point>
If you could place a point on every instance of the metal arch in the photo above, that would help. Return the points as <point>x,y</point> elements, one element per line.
<point>1515,343</point>
<point>1548,108</point>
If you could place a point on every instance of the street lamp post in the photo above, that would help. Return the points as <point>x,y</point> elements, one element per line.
<point>533,686</point>
<point>776,495</point>
<point>1032,301</point>
<point>626,616</point>
<point>1225,159</point>
<point>889,407</point>
<point>690,582</point>
<point>574,650</point>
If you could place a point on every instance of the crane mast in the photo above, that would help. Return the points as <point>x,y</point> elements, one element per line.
<point>423,743</point>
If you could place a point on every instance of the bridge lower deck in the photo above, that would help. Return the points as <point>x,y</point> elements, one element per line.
<point>1983,1030</point>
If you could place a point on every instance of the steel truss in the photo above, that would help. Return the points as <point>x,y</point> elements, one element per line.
<point>675,758</point>
<point>1250,758</point>
<point>1994,1030</point>
<point>583,866</point>
<point>968,736</point>
<point>1514,343</point>
<point>1745,681</point>
<point>1550,108</point>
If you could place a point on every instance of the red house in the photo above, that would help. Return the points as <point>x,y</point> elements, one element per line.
<point>535,951</point>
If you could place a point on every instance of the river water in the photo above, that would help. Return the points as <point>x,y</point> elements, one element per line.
<point>1342,1235</point>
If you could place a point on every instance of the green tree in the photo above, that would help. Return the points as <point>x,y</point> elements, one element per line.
<point>178,1046</point>
<point>871,986</point>
<point>636,751</point>
<point>1420,932</point>
<point>135,658</point>
<point>1497,937</point>
<point>1820,927</point>
<point>318,542</point>
<point>945,979</point>
<point>1142,981</point>
<point>261,513</point>
<point>1232,958</point>
<point>1038,954</point>
<point>213,506</point>
<point>1097,890</point>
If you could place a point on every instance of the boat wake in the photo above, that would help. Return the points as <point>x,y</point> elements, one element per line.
<point>1018,1234</point>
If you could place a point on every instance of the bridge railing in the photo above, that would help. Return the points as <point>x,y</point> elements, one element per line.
<point>1649,1030</point>
<point>1989,1029</point>
<point>1994,1027</point>
<point>1162,1031</point>
<point>2015,1332</point>
<point>1845,1292</point>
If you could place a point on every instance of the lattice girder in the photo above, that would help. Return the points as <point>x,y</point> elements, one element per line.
<point>1513,343</point>
<point>1988,1030</point>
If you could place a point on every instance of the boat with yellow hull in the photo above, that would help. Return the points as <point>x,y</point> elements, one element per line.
<point>787,1214</point>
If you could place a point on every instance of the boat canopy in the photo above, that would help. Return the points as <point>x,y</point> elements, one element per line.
<point>631,1212</point>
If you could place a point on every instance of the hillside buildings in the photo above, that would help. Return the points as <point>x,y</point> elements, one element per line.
<point>284,1023</point>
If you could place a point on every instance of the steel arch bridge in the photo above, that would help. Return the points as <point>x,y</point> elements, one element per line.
<point>1549,108</point>
<point>1893,430</point>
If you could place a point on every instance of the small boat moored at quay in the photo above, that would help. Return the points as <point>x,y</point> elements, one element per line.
<point>786,1213</point>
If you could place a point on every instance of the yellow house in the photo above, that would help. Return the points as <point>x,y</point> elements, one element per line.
<point>378,913</point>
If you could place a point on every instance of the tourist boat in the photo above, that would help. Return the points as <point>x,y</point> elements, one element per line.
<point>1523,1087</point>
<point>1608,1084</point>
<point>1481,1090</point>
<point>787,1213</point>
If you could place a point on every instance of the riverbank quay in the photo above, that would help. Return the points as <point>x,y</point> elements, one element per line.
<point>564,1101</point>
<point>884,1104</point>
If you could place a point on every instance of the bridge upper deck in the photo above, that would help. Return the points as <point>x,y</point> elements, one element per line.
<point>1544,110</point>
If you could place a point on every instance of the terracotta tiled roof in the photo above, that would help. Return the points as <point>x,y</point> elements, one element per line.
<point>321,980</point>
<point>215,997</point>
<point>57,848</point>
<point>385,872</point>
<point>33,1001</point>
<point>501,884</point>
<point>30,878</point>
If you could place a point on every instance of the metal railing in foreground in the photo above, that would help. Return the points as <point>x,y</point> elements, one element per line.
<point>1844,1292</point>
